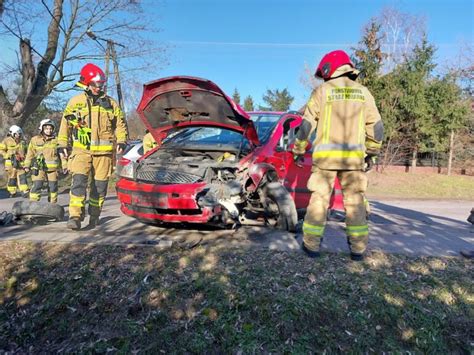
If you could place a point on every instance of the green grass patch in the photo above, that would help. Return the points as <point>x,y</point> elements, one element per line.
<point>423,186</point>
<point>77,298</point>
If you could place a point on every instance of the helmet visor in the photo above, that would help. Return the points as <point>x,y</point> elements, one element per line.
<point>97,84</point>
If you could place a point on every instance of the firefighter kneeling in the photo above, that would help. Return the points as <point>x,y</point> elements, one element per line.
<point>95,121</point>
<point>349,133</point>
<point>42,160</point>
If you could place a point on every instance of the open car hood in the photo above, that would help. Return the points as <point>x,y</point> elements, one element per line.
<point>182,101</point>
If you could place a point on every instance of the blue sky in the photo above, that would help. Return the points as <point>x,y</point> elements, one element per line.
<point>262,44</point>
<point>255,45</point>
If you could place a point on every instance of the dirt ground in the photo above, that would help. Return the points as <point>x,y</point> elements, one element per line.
<point>409,227</point>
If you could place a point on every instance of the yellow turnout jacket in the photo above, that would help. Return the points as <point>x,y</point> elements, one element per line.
<point>101,119</point>
<point>9,147</point>
<point>348,125</point>
<point>48,148</point>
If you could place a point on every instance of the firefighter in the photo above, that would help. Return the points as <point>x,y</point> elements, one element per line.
<point>148,142</point>
<point>42,160</point>
<point>469,253</point>
<point>348,138</point>
<point>13,149</point>
<point>92,121</point>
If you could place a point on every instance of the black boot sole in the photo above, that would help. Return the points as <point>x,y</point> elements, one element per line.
<point>357,257</point>
<point>311,253</point>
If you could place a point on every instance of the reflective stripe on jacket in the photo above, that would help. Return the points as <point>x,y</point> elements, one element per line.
<point>348,125</point>
<point>102,116</point>
<point>48,148</point>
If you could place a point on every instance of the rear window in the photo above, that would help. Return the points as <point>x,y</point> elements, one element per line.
<point>129,147</point>
<point>264,124</point>
<point>204,136</point>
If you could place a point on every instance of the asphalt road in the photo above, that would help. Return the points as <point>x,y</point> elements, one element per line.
<point>410,227</point>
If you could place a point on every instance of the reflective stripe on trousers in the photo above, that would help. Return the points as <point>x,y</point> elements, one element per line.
<point>353,185</point>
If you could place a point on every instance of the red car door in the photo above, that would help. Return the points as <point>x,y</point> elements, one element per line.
<point>295,178</point>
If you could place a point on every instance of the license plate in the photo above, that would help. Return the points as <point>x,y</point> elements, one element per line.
<point>152,200</point>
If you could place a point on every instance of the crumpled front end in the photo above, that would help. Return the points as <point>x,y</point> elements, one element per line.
<point>164,203</point>
<point>183,186</point>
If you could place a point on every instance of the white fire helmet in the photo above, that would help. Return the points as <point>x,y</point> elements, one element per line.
<point>46,122</point>
<point>15,130</point>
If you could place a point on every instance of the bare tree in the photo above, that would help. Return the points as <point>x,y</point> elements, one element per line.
<point>401,32</point>
<point>49,58</point>
<point>307,78</point>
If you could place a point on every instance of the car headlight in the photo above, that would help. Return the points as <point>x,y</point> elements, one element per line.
<point>128,168</point>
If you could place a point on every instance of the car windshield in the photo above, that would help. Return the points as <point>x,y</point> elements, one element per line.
<point>207,136</point>
<point>264,124</point>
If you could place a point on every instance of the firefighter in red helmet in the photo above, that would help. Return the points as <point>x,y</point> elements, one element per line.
<point>93,122</point>
<point>349,135</point>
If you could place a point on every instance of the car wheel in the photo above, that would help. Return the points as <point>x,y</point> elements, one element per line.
<point>30,210</point>
<point>280,210</point>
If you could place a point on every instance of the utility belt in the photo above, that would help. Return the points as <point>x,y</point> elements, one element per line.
<point>41,164</point>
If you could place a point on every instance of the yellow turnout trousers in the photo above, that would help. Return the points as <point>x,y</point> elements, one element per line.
<point>16,177</point>
<point>81,164</point>
<point>38,180</point>
<point>354,185</point>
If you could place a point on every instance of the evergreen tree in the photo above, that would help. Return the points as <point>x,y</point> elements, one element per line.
<point>420,113</point>
<point>448,111</point>
<point>236,96</point>
<point>248,104</point>
<point>368,56</point>
<point>278,100</point>
<point>414,108</point>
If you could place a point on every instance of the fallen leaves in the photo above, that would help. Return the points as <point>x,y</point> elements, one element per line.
<point>94,299</point>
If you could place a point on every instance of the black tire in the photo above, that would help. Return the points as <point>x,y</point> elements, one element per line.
<point>283,210</point>
<point>41,210</point>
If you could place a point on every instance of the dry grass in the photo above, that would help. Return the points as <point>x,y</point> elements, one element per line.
<point>423,186</point>
<point>76,298</point>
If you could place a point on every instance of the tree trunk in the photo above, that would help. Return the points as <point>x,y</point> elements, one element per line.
<point>413,158</point>
<point>34,84</point>
<point>385,161</point>
<point>451,148</point>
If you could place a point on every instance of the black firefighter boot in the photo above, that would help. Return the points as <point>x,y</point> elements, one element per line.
<point>93,222</point>
<point>469,254</point>
<point>311,253</point>
<point>357,257</point>
<point>74,224</point>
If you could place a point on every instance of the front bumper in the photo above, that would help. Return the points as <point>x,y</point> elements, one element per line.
<point>164,203</point>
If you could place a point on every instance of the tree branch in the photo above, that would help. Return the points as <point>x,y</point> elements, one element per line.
<point>52,15</point>
<point>59,67</point>
<point>51,49</point>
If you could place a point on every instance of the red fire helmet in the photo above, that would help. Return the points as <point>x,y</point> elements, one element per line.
<point>331,62</point>
<point>91,73</point>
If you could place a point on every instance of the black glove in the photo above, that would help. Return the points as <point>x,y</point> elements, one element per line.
<point>298,159</point>
<point>121,148</point>
<point>370,161</point>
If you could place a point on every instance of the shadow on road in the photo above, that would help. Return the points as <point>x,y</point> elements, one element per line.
<point>393,229</point>
<point>407,231</point>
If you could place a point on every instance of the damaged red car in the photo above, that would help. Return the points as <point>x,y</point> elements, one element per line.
<point>216,164</point>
